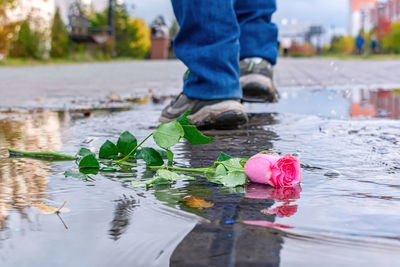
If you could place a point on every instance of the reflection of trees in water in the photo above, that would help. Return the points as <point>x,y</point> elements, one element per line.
<point>22,180</point>
<point>220,243</point>
<point>122,214</point>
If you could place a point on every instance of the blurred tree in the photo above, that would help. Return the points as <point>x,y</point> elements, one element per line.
<point>139,44</point>
<point>174,29</point>
<point>59,37</point>
<point>132,36</point>
<point>29,43</point>
<point>7,28</point>
<point>383,28</point>
<point>302,50</point>
<point>342,44</point>
<point>391,42</point>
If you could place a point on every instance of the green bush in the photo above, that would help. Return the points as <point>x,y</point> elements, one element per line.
<point>59,38</point>
<point>342,45</point>
<point>132,35</point>
<point>391,42</point>
<point>28,44</point>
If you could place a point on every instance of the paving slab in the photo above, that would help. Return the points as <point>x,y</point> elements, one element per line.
<point>23,86</point>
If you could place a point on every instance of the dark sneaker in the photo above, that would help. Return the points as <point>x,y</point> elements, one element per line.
<point>256,80</point>
<point>224,113</point>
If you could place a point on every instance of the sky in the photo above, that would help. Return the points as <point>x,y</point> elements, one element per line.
<point>330,14</point>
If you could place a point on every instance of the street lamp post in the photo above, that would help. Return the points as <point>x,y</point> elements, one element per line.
<point>110,24</point>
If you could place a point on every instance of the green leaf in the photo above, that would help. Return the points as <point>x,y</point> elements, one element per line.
<point>89,171</point>
<point>194,136</point>
<point>168,134</point>
<point>233,179</point>
<point>108,150</point>
<point>78,175</point>
<point>173,176</point>
<point>170,175</point>
<point>151,157</point>
<point>183,120</point>
<point>89,161</point>
<point>126,143</point>
<point>162,153</point>
<point>223,157</point>
<point>138,183</point>
<point>159,181</point>
<point>243,160</point>
<point>84,152</point>
<point>191,133</point>
<point>233,164</point>
<point>139,154</point>
<point>220,171</point>
<point>163,177</point>
<point>170,156</point>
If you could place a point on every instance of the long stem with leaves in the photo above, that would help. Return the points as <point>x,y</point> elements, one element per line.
<point>226,170</point>
<point>135,149</point>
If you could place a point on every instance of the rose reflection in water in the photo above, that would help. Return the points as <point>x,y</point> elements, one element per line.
<point>281,194</point>
<point>285,195</point>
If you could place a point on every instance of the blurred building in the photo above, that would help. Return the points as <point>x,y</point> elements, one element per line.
<point>299,33</point>
<point>360,16</point>
<point>40,10</point>
<point>369,14</point>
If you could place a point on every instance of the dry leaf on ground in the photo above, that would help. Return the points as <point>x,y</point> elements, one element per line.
<point>197,202</point>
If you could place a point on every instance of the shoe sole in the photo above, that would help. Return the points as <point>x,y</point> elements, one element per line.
<point>258,88</point>
<point>224,115</point>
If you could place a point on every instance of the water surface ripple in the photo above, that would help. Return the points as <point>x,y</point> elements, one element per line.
<point>346,210</point>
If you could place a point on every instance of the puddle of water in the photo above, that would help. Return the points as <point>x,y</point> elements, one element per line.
<point>345,212</point>
<point>352,103</point>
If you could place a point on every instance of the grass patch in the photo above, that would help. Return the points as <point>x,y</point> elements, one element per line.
<point>361,57</point>
<point>57,61</point>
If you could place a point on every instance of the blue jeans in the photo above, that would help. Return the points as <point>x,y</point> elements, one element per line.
<point>215,35</point>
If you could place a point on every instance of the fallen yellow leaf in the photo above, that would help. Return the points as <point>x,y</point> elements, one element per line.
<point>197,202</point>
<point>46,209</point>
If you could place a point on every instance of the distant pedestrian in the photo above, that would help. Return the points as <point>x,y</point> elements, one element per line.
<point>286,45</point>
<point>374,45</point>
<point>229,47</point>
<point>360,44</point>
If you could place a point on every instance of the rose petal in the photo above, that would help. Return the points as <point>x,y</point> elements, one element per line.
<point>258,168</point>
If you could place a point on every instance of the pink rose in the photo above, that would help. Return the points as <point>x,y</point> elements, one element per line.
<point>273,170</point>
<point>259,167</point>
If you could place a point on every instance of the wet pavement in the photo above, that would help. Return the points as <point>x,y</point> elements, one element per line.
<point>346,210</point>
<point>55,86</point>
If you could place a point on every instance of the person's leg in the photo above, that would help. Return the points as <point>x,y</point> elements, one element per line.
<point>258,35</point>
<point>208,44</point>
<point>258,49</point>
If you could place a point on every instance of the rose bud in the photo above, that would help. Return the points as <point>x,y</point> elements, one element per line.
<point>259,168</point>
<point>272,170</point>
